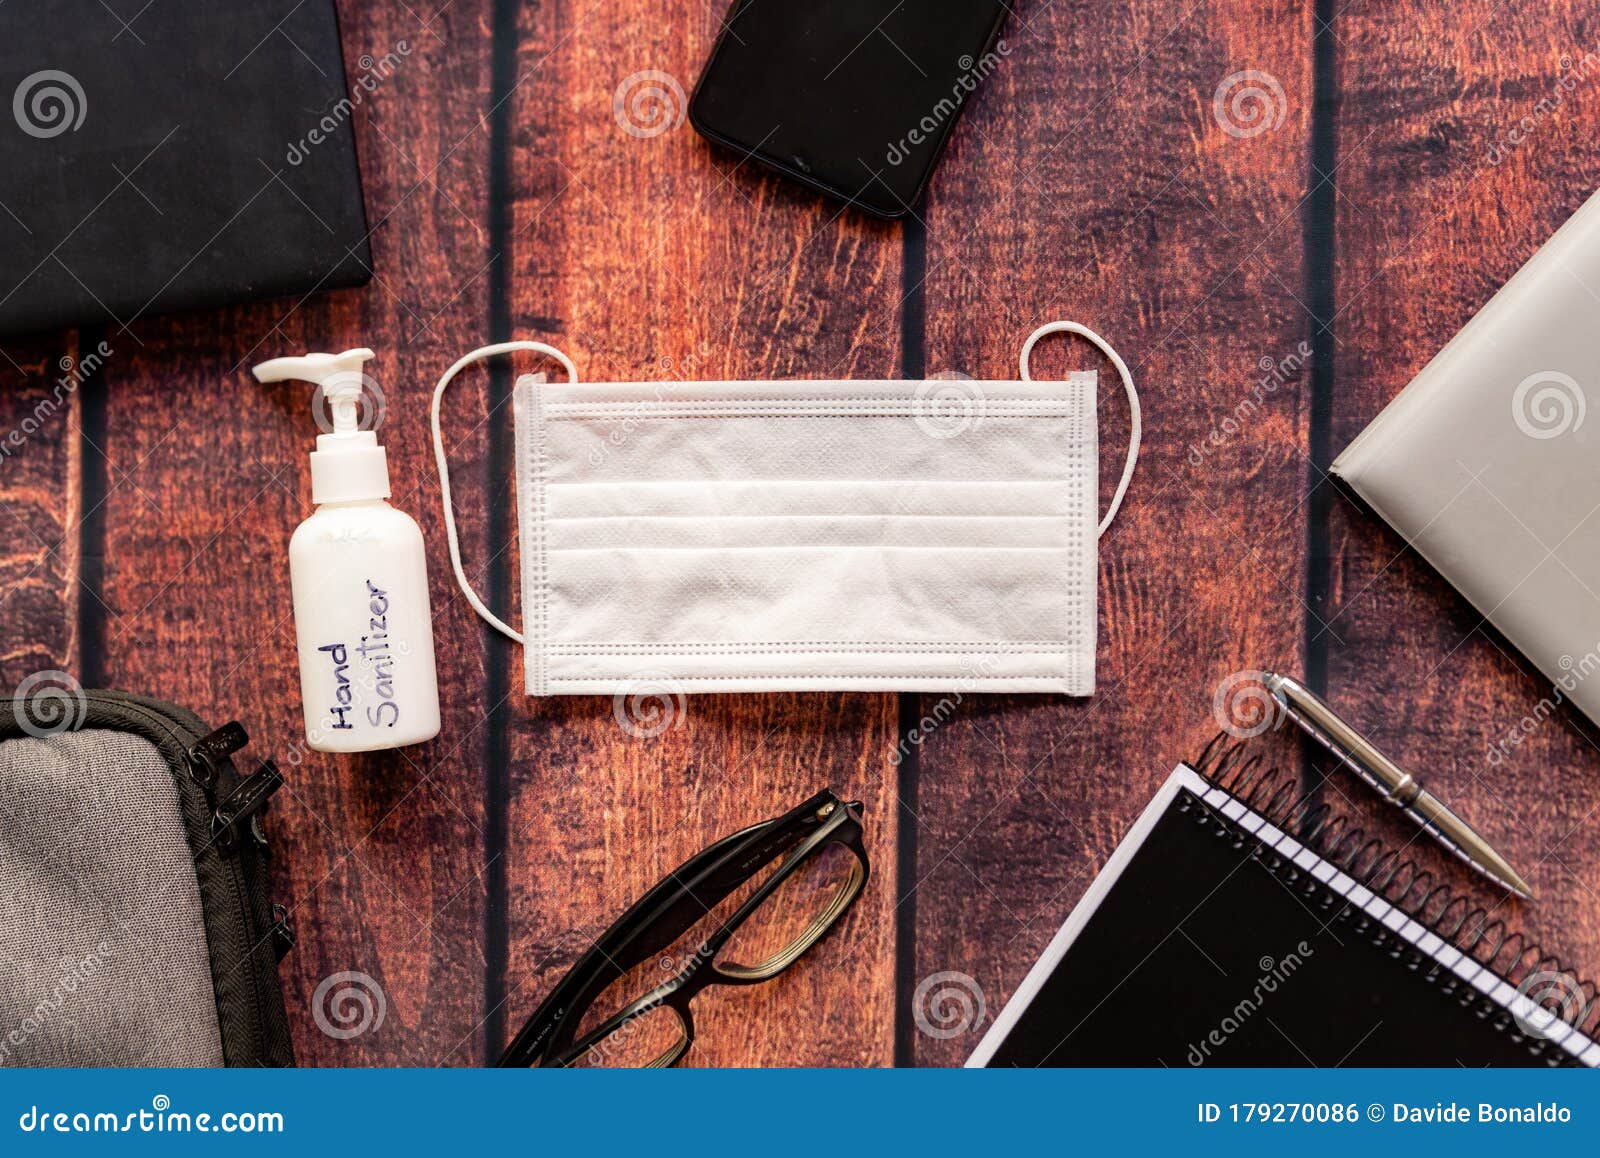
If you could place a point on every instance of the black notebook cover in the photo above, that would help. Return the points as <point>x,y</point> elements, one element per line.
<point>1221,936</point>
<point>149,158</point>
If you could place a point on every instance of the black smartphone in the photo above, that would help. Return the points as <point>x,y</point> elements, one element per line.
<point>854,98</point>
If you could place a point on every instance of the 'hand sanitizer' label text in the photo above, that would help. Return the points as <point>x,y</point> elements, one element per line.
<point>376,660</point>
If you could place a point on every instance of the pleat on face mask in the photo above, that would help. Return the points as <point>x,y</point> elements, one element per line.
<point>805,535</point>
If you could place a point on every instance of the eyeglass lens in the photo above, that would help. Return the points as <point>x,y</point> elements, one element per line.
<point>791,919</point>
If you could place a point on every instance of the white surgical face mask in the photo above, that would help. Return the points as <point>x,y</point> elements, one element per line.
<point>805,535</point>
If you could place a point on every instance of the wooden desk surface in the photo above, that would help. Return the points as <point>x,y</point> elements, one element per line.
<point>1330,254</point>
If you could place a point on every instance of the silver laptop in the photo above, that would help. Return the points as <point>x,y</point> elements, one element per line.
<point>1489,462</point>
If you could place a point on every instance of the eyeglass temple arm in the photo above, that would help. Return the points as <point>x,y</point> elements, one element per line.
<point>637,934</point>
<point>763,843</point>
<point>632,937</point>
<point>698,894</point>
<point>765,840</point>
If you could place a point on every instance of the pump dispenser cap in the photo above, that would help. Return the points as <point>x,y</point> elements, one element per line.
<point>348,464</point>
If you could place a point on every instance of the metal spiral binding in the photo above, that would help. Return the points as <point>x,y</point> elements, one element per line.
<point>1453,917</point>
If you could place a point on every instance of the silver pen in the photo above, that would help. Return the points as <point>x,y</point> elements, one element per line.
<point>1399,787</point>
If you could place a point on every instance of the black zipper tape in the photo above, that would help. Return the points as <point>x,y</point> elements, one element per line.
<point>231,881</point>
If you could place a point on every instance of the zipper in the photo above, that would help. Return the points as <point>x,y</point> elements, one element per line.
<point>247,800</point>
<point>205,756</point>
<point>202,756</point>
<point>208,752</point>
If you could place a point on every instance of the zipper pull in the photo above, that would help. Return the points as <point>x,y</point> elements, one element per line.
<point>258,832</point>
<point>248,797</point>
<point>208,753</point>
<point>282,931</point>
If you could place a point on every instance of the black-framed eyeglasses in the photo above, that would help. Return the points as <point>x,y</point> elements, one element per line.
<point>717,919</point>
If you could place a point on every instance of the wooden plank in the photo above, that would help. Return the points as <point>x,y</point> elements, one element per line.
<point>651,257</point>
<point>40,407</point>
<point>1181,242</point>
<point>1437,209</point>
<point>379,857</point>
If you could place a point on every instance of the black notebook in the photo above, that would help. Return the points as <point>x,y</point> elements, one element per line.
<point>1237,925</point>
<point>175,156</point>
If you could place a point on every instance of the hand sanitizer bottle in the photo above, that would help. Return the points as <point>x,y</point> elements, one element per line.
<point>360,581</point>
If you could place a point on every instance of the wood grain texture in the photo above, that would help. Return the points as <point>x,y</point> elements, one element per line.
<point>380,856</point>
<point>1437,209</point>
<point>650,257</point>
<point>41,501</point>
<point>1094,177</point>
<point>1181,243</point>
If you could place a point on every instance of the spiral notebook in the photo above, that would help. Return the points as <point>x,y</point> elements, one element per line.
<point>1237,924</point>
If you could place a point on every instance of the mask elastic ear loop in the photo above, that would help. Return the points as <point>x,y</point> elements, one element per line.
<point>444,466</point>
<point>1134,420</point>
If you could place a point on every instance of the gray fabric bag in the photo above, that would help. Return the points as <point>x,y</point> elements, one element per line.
<point>134,924</point>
